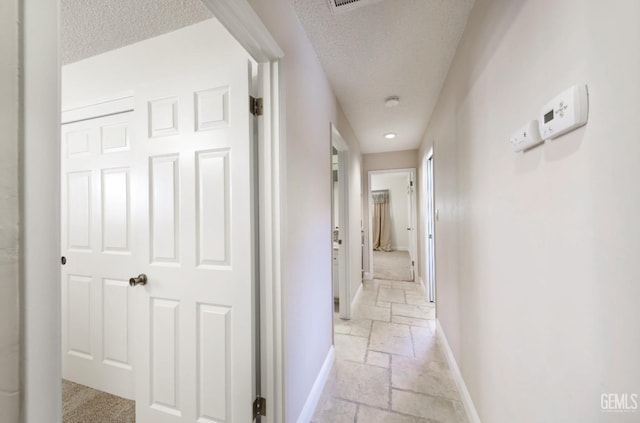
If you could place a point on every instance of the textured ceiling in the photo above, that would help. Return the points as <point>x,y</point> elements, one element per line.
<point>396,47</point>
<point>91,27</point>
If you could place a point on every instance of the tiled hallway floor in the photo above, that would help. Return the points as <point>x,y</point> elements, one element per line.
<point>389,367</point>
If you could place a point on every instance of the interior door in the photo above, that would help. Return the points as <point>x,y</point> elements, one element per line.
<point>194,210</point>
<point>98,258</point>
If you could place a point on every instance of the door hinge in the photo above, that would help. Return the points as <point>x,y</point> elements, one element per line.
<point>413,263</point>
<point>255,106</point>
<point>410,183</point>
<point>259,407</point>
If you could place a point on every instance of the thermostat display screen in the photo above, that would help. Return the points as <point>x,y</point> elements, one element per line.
<point>548,116</point>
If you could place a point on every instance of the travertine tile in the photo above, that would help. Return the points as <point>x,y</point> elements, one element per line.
<point>361,383</point>
<point>335,411</point>
<point>392,338</point>
<point>436,410</point>
<point>348,347</point>
<point>368,297</point>
<point>354,327</point>
<point>379,359</point>
<point>374,415</point>
<point>383,283</point>
<point>409,286</point>
<point>408,310</point>
<point>398,344</point>
<point>391,295</point>
<point>383,304</point>
<point>423,376</point>
<point>412,321</point>
<point>414,298</point>
<point>364,311</point>
<point>426,346</point>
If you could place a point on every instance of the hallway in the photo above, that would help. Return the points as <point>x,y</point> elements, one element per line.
<point>389,367</point>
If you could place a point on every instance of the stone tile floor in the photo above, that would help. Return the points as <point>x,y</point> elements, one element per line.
<point>389,367</point>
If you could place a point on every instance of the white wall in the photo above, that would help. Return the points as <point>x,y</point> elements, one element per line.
<point>9,214</point>
<point>381,161</point>
<point>537,253</point>
<point>123,69</point>
<point>396,183</point>
<point>309,105</point>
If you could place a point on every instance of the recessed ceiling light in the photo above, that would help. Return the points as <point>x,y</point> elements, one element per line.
<point>390,136</point>
<point>392,101</point>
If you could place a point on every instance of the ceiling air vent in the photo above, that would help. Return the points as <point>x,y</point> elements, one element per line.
<point>340,6</point>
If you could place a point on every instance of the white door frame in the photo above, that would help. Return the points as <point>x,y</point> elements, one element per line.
<point>344,261</point>
<point>40,276</point>
<point>428,201</point>
<point>413,240</point>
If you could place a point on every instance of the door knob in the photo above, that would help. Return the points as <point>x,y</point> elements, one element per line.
<point>140,280</point>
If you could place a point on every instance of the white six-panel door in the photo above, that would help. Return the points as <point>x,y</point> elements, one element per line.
<point>194,337</point>
<point>97,244</point>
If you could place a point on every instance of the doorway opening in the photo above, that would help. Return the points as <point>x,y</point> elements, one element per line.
<point>340,265</point>
<point>392,224</point>
<point>428,203</point>
<point>168,221</point>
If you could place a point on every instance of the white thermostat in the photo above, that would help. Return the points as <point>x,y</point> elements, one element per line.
<point>526,137</point>
<point>565,113</point>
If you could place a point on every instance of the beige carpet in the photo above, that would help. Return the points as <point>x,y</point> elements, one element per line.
<point>392,265</point>
<point>81,404</point>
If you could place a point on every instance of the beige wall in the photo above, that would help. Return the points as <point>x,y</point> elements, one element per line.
<point>9,220</point>
<point>310,106</point>
<point>537,253</point>
<point>380,161</point>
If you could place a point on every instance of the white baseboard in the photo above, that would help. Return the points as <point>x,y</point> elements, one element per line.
<point>469,407</point>
<point>316,390</point>
<point>395,248</point>
<point>367,276</point>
